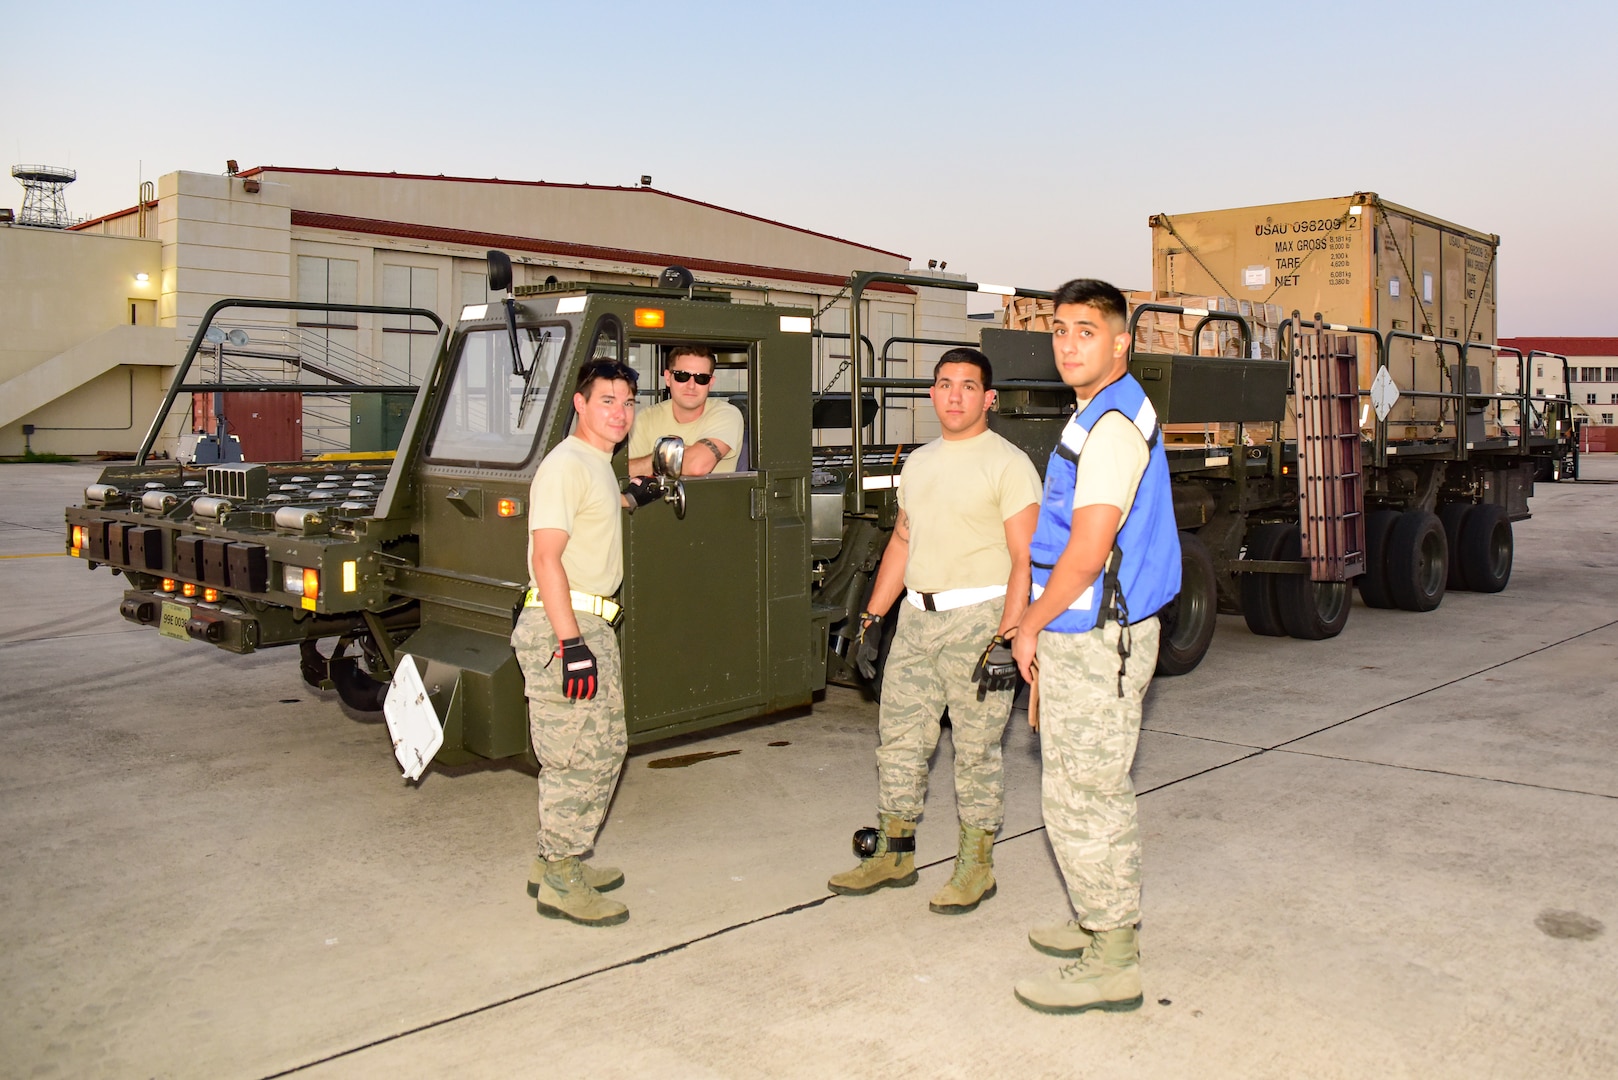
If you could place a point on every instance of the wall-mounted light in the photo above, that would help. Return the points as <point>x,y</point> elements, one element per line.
<point>142,278</point>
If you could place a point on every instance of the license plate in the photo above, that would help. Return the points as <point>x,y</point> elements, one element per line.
<point>172,624</point>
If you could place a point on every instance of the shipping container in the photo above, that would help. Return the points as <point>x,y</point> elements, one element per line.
<point>1361,261</point>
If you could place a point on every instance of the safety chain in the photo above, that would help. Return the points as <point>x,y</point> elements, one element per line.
<point>814,321</point>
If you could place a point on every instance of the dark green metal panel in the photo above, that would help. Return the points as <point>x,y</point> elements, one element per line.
<point>690,636</point>
<point>377,421</point>
<point>1212,389</point>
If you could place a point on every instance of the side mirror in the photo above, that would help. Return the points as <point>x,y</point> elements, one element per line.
<point>668,457</point>
<point>499,271</point>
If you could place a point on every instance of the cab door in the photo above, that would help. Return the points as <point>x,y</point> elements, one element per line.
<point>692,638</point>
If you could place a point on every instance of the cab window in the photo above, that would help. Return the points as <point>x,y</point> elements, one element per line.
<point>491,413</point>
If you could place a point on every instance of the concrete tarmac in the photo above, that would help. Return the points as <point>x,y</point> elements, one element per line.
<point>1390,854</point>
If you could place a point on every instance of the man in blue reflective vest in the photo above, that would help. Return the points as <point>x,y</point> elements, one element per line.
<point>1106,558</point>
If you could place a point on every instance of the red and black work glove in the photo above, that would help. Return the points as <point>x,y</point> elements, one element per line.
<point>642,490</point>
<point>868,644</point>
<point>578,669</point>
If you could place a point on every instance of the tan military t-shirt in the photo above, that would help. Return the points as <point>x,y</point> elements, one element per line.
<point>1111,464</point>
<point>720,421</point>
<point>576,491</point>
<point>958,494</point>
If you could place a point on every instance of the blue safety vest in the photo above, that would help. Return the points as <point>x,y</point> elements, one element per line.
<point>1143,571</point>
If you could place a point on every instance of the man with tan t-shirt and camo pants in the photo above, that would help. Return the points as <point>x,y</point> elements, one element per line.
<point>968,502</point>
<point>568,651</point>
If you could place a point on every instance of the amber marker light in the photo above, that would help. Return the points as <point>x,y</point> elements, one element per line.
<point>168,585</point>
<point>311,584</point>
<point>210,596</point>
<point>75,541</point>
<point>649,317</point>
<point>508,508</point>
<point>188,589</point>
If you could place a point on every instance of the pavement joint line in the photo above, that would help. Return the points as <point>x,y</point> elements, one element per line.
<point>1443,685</point>
<point>1283,746</point>
<point>34,528</point>
<point>524,995</point>
<point>38,555</point>
<point>1446,772</point>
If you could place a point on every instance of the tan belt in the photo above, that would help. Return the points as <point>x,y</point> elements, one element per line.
<point>589,603</point>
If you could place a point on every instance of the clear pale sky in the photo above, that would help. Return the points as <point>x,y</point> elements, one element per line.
<point>1022,143</point>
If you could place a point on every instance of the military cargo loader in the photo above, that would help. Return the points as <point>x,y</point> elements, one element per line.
<point>740,591</point>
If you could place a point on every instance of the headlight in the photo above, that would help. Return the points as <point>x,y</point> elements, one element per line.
<point>301,581</point>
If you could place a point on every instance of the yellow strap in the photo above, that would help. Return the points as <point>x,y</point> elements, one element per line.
<point>580,601</point>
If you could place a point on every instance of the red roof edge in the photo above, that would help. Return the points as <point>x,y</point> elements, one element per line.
<point>256,170</point>
<point>1567,346</point>
<point>112,216</point>
<point>407,230</point>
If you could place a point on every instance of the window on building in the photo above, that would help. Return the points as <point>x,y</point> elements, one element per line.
<point>1589,374</point>
<point>407,344</point>
<point>1606,418</point>
<point>328,335</point>
<point>1589,399</point>
<point>1612,375</point>
<point>1539,372</point>
<point>1615,399</point>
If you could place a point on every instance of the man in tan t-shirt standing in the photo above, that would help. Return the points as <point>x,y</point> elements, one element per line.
<point>711,430</point>
<point>568,650</point>
<point>968,502</point>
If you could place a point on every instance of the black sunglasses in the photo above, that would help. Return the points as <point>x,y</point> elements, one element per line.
<point>703,378</point>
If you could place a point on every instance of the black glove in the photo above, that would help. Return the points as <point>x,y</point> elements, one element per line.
<point>867,644</point>
<point>995,669</point>
<point>578,669</point>
<point>642,490</point>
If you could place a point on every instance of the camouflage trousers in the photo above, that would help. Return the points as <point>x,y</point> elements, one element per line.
<point>580,744</point>
<point>1087,736</point>
<point>929,668</point>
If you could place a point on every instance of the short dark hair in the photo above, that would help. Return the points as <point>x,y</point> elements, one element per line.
<point>690,350</point>
<point>1092,293</point>
<point>967,355</point>
<point>604,368</point>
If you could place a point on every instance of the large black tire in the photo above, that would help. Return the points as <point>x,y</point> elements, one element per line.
<point>1452,514</point>
<point>1374,582</point>
<point>1486,549</point>
<point>1418,561</point>
<point>1186,625</point>
<point>1259,604</point>
<point>1310,610</point>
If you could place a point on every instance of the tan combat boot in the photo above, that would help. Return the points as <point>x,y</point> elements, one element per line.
<point>973,880</point>
<point>1106,977</point>
<point>1067,940</point>
<point>892,865</point>
<point>601,879</point>
<point>564,894</point>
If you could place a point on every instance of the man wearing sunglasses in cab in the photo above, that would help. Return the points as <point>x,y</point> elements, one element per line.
<point>712,430</point>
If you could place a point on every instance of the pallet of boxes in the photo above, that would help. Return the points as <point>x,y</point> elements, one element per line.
<point>1172,333</point>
